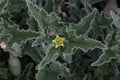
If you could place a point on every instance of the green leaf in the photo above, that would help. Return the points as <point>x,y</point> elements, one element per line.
<point>100,22</point>
<point>31,51</point>
<point>16,35</point>
<point>84,26</point>
<point>51,54</point>
<point>104,58</point>
<point>41,16</point>
<point>32,24</point>
<point>55,71</point>
<point>116,19</point>
<point>16,5</point>
<point>12,34</point>
<point>3,4</point>
<point>21,35</point>
<point>4,34</point>
<point>99,26</point>
<point>46,74</point>
<point>41,40</point>
<point>81,42</point>
<point>49,6</point>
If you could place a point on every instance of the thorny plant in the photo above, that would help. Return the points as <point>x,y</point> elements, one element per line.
<point>59,40</point>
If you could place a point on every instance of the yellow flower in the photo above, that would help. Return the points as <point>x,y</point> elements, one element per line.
<point>58,41</point>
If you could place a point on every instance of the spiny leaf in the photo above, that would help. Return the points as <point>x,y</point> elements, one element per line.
<point>100,21</point>
<point>16,35</point>
<point>104,58</point>
<point>81,42</point>
<point>51,54</point>
<point>116,19</point>
<point>21,35</point>
<point>40,40</point>
<point>84,26</point>
<point>41,16</point>
<point>99,25</point>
